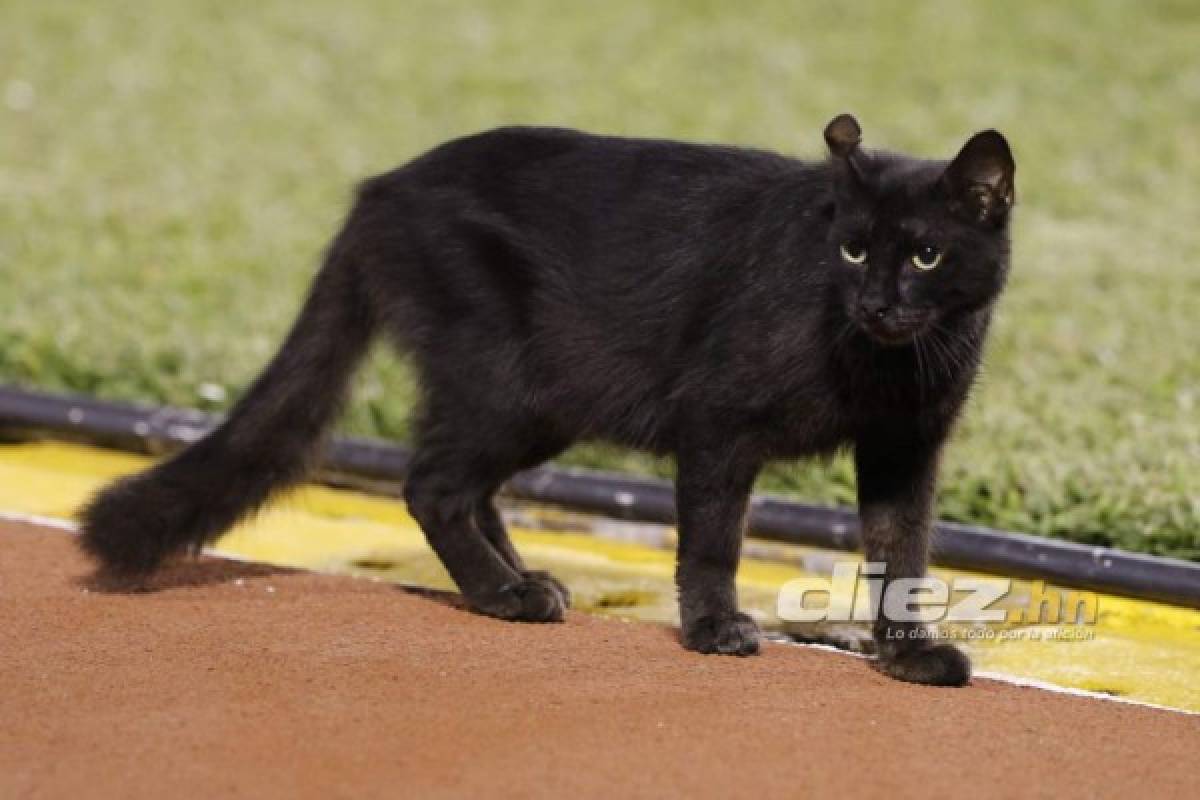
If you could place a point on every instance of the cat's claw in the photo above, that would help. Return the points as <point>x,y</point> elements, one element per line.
<point>938,665</point>
<point>734,634</point>
<point>533,598</point>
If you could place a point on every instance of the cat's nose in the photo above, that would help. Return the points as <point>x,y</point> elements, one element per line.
<point>874,308</point>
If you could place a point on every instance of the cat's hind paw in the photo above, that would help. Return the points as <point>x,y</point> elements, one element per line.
<point>546,578</point>
<point>939,665</point>
<point>533,598</point>
<point>734,634</point>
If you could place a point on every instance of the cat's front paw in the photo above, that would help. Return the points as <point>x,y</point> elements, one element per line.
<point>937,665</point>
<point>733,634</point>
<point>534,598</point>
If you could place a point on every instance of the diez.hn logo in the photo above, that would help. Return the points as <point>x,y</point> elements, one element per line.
<point>854,592</point>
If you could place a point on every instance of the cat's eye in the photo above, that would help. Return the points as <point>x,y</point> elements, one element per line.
<point>926,258</point>
<point>854,253</point>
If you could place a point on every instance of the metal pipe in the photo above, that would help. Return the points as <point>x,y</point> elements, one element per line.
<point>971,547</point>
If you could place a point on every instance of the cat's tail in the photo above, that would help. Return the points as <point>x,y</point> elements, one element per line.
<point>264,445</point>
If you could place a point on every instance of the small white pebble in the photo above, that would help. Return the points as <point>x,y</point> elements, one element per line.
<point>239,582</point>
<point>270,590</point>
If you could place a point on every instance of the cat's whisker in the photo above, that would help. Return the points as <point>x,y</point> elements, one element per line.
<point>843,335</point>
<point>955,343</point>
<point>920,370</point>
<point>942,361</point>
<point>937,348</point>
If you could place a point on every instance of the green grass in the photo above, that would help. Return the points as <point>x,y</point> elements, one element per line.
<point>170,171</point>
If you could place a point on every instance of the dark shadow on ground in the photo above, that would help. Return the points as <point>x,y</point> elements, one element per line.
<point>182,574</point>
<point>439,596</point>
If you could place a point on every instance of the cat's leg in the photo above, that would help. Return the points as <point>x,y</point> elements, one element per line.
<point>491,525</point>
<point>530,445</point>
<point>713,488</point>
<point>896,484</point>
<point>451,478</point>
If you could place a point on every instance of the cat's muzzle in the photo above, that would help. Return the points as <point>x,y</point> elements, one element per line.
<point>891,326</point>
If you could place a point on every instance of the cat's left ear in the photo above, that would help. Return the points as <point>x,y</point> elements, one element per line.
<point>843,136</point>
<point>979,181</point>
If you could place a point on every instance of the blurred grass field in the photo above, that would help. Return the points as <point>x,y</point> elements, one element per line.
<point>169,173</point>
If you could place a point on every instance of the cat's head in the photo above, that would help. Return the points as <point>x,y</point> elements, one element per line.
<point>914,242</point>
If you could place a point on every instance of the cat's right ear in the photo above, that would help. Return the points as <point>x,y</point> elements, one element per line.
<point>843,136</point>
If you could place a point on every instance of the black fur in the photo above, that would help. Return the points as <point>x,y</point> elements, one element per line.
<point>554,286</point>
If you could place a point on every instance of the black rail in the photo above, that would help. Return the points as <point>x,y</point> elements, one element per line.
<point>158,430</point>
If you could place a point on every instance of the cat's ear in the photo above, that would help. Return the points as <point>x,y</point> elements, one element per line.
<point>979,181</point>
<point>843,135</point>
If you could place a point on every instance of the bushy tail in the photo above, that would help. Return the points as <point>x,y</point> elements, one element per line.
<point>264,445</point>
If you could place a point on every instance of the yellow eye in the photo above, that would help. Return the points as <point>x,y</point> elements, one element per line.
<point>854,253</point>
<point>926,258</point>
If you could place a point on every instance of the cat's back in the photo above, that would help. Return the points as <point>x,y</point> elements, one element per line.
<point>531,157</point>
<point>608,263</point>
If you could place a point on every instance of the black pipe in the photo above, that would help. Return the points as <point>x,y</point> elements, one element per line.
<point>1104,569</point>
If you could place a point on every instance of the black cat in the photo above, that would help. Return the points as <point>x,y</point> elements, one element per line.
<point>723,305</point>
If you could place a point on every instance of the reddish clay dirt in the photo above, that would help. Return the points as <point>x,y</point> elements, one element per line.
<point>235,680</point>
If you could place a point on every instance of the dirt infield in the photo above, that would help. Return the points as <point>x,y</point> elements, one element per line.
<point>240,680</point>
